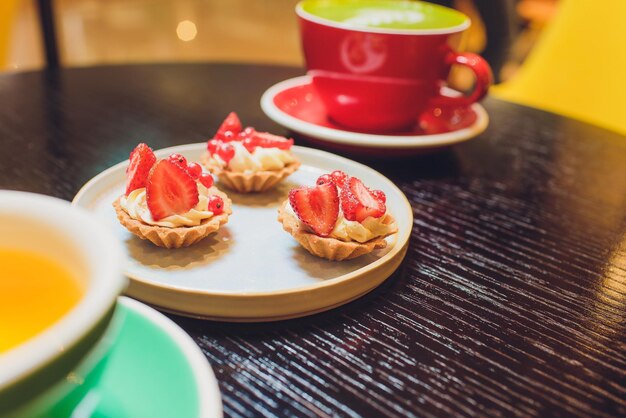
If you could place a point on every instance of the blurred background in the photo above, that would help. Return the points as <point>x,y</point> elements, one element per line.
<point>95,32</point>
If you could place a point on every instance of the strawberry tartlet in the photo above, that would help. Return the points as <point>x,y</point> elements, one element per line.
<point>170,202</point>
<point>338,219</point>
<point>246,160</point>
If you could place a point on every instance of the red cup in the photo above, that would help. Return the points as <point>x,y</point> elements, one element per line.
<point>382,80</point>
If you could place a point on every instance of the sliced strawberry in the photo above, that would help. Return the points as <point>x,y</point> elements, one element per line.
<point>380,195</point>
<point>349,203</point>
<point>267,140</point>
<point>170,190</point>
<point>317,207</point>
<point>141,161</point>
<point>231,124</point>
<point>358,202</point>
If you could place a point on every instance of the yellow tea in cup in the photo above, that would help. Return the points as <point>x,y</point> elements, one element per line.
<point>35,292</point>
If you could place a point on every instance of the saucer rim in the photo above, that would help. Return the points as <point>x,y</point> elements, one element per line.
<point>365,140</point>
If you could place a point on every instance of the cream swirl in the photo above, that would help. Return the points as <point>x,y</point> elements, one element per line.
<point>346,230</point>
<point>261,159</point>
<point>137,208</point>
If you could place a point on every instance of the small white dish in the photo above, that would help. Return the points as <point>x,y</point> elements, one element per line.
<point>295,104</point>
<point>250,270</point>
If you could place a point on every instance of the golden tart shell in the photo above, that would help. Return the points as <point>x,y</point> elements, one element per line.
<point>328,247</point>
<point>259,181</point>
<point>178,237</point>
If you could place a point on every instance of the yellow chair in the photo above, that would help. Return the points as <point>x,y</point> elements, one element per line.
<point>578,67</point>
<point>7,14</point>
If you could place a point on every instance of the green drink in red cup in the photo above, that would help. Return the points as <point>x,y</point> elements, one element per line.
<point>379,64</point>
<point>61,275</point>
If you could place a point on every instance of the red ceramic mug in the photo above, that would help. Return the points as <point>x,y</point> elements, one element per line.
<point>379,64</point>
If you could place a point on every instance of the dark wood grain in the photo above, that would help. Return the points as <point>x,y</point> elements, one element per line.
<point>512,298</point>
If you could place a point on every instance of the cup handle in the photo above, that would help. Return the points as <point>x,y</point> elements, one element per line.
<point>482,72</point>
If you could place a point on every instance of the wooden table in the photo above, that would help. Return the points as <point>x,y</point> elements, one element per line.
<point>512,297</point>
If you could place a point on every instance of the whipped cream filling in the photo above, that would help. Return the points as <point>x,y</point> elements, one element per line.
<point>361,232</point>
<point>137,208</point>
<point>261,159</point>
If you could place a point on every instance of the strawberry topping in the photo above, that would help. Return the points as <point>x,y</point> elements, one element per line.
<point>141,161</point>
<point>194,170</point>
<point>206,179</point>
<point>323,179</point>
<point>249,143</point>
<point>231,130</point>
<point>379,195</point>
<point>223,149</point>
<point>246,133</point>
<point>358,202</point>
<point>170,190</point>
<point>338,178</point>
<point>226,152</point>
<point>317,207</point>
<point>267,140</point>
<point>215,204</point>
<point>213,144</point>
<point>231,124</point>
<point>178,159</point>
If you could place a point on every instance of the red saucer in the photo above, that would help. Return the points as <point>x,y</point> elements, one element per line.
<point>296,105</point>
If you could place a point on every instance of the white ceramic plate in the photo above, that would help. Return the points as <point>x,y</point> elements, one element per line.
<point>251,270</point>
<point>355,141</point>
